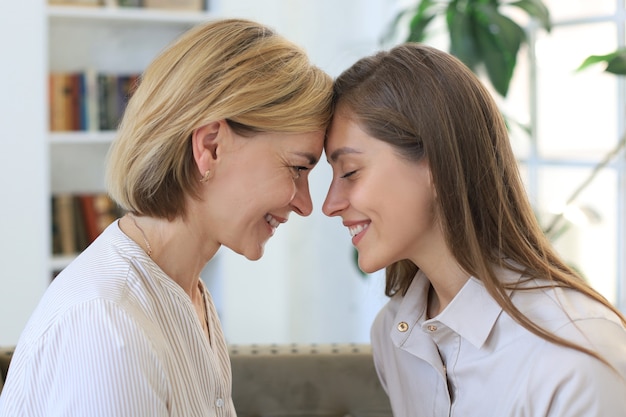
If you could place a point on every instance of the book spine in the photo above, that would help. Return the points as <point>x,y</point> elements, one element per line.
<point>64,211</point>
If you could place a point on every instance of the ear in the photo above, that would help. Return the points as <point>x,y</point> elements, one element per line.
<point>206,142</point>
<point>431,183</point>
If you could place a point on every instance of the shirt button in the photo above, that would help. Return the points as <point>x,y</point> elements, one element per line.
<point>219,403</point>
<point>432,328</point>
<point>403,327</point>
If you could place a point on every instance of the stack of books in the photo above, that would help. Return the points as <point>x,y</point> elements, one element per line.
<point>78,219</point>
<point>88,100</point>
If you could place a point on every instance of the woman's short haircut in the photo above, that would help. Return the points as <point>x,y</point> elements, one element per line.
<point>231,69</point>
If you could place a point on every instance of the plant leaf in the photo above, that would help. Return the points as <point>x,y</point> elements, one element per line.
<point>462,37</point>
<point>617,65</point>
<point>499,39</point>
<point>616,62</point>
<point>420,21</point>
<point>417,28</point>
<point>536,9</point>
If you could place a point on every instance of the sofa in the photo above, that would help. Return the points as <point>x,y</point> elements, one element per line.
<point>298,380</point>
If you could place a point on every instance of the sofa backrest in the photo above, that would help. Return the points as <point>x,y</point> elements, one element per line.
<point>331,380</point>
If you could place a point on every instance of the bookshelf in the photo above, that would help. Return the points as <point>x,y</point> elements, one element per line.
<point>109,40</point>
<point>35,163</point>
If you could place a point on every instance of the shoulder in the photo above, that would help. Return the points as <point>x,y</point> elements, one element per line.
<point>554,308</point>
<point>96,356</point>
<point>563,381</point>
<point>96,326</point>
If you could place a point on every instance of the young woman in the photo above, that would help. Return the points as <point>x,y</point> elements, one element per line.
<point>214,149</point>
<point>484,318</point>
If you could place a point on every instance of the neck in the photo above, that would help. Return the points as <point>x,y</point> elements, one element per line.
<point>444,286</point>
<point>434,258</point>
<point>175,246</point>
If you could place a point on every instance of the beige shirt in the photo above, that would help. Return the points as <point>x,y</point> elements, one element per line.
<point>474,360</point>
<point>115,336</point>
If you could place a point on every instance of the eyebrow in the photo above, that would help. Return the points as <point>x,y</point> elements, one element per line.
<point>342,151</point>
<point>311,158</point>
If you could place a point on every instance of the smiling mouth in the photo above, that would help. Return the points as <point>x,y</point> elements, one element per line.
<point>355,230</point>
<point>272,221</point>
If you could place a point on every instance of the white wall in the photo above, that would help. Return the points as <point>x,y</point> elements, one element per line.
<point>23,164</point>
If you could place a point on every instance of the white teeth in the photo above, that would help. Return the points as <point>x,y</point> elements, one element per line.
<point>272,221</point>
<point>355,230</point>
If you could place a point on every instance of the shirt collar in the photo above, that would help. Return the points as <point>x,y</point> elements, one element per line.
<point>472,313</point>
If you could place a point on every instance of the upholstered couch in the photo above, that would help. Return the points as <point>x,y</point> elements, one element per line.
<point>331,380</point>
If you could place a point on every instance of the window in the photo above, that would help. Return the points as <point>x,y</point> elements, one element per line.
<point>578,118</point>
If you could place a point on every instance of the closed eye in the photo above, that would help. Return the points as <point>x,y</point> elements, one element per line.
<point>297,170</point>
<point>348,174</point>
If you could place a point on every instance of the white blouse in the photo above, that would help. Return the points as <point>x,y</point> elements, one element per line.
<point>115,336</point>
<point>475,360</point>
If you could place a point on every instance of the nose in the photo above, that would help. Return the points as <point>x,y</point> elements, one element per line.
<point>301,202</point>
<point>334,203</point>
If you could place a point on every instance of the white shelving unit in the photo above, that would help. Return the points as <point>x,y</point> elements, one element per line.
<point>103,39</point>
<point>35,163</point>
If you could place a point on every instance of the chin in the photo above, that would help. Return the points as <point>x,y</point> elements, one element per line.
<point>369,268</point>
<point>254,255</point>
<point>250,251</point>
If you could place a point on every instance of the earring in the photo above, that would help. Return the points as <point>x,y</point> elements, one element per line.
<point>206,176</point>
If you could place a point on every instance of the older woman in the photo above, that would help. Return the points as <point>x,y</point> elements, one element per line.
<point>214,149</point>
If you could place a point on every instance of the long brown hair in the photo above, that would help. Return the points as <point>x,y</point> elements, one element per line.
<point>427,104</point>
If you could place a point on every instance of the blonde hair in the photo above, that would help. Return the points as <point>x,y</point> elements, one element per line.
<point>427,104</point>
<point>231,69</point>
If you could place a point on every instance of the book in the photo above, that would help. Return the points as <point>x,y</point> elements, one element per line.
<point>90,217</point>
<point>56,231</point>
<point>187,5</point>
<point>106,210</point>
<point>91,100</point>
<point>113,93</point>
<point>80,230</point>
<point>78,219</point>
<point>61,97</point>
<point>65,222</point>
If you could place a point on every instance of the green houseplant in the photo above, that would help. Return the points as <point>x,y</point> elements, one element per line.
<point>481,32</point>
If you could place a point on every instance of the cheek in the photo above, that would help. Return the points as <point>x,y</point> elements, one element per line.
<point>281,189</point>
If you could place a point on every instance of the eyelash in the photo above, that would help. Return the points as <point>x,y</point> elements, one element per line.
<point>298,170</point>
<point>348,174</point>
